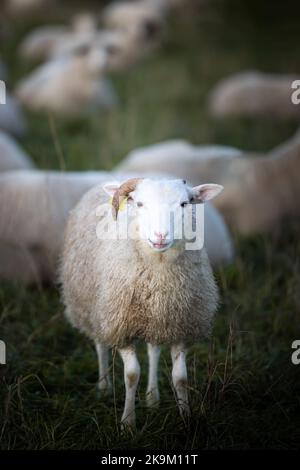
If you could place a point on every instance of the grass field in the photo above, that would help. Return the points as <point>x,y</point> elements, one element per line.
<point>244,390</point>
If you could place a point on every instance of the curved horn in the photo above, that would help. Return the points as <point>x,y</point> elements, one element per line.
<point>123,191</point>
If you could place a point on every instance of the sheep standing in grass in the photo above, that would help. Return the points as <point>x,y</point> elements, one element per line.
<point>255,94</point>
<point>34,208</point>
<point>150,287</point>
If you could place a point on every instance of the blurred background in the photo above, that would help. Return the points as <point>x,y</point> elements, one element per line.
<point>244,388</point>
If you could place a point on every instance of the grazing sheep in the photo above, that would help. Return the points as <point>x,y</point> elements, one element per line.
<point>148,287</point>
<point>71,85</point>
<point>12,157</point>
<point>255,94</point>
<point>11,116</point>
<point>34,208</point>
<point>250,204</point>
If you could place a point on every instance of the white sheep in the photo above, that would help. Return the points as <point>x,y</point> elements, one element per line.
<point>148,286</point>
<point>254,94</point>
<point>34,208</point>
<point>249,204</point>
<point>176,157</point>
<point>121,50</point>
<point>71,85</point>
<point>45,42</point>
<point>11,116</point>
<point>143,20</point>
<point>12,156</point>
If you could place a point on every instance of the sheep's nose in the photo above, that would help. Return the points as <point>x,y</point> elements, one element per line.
<point>161,235</point>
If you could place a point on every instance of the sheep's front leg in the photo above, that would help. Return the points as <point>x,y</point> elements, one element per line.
<point>104,383</point>
<point>179,378</point>
<point>131,378</point>
<point>152,395</point>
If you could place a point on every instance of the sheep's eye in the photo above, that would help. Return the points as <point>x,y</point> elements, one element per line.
<point>183,204</point>
<point>139,204</point>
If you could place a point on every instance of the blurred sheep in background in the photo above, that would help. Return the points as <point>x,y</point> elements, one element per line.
<point>175,156</point>
<point>12,156</point>
<point>72,85</point>
<point>143,20</point>
<point>44,42</point>
<point>120,50</point>
<point>259,192</point>
<point>21,7</point>
<point>254,94</point>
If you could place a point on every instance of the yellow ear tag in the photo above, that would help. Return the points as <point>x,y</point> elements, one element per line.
<point>122,205</point>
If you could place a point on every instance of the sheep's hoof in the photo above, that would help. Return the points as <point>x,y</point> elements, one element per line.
<point>128,424</point>
<point>152,398</point>
<point>185,411</point>
<point>104,387</point>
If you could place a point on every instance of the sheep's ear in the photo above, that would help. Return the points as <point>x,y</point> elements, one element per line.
<point>111,187</point>
<point>205,192</point>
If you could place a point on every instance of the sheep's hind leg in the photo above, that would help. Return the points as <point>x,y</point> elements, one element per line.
<point>179,378</point>
<point>152,394</point>
<point>104,383</point>
<point>131,378</point>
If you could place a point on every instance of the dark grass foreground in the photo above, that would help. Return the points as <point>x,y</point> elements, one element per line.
<point>244,389</point>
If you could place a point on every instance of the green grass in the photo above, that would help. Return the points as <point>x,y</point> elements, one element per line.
<point>244,389</point>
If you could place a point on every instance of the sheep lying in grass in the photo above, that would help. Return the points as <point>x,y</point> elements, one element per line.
<point>34,208</point>
<point>246,205</point>
<point>254,94</point>
<point>11,116</point>
<point>44,42</point>
<point>149,287</point>
<point>71,85</point>
<point>12,157</point>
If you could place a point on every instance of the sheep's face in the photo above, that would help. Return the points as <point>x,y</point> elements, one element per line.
<point>160,209</point>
